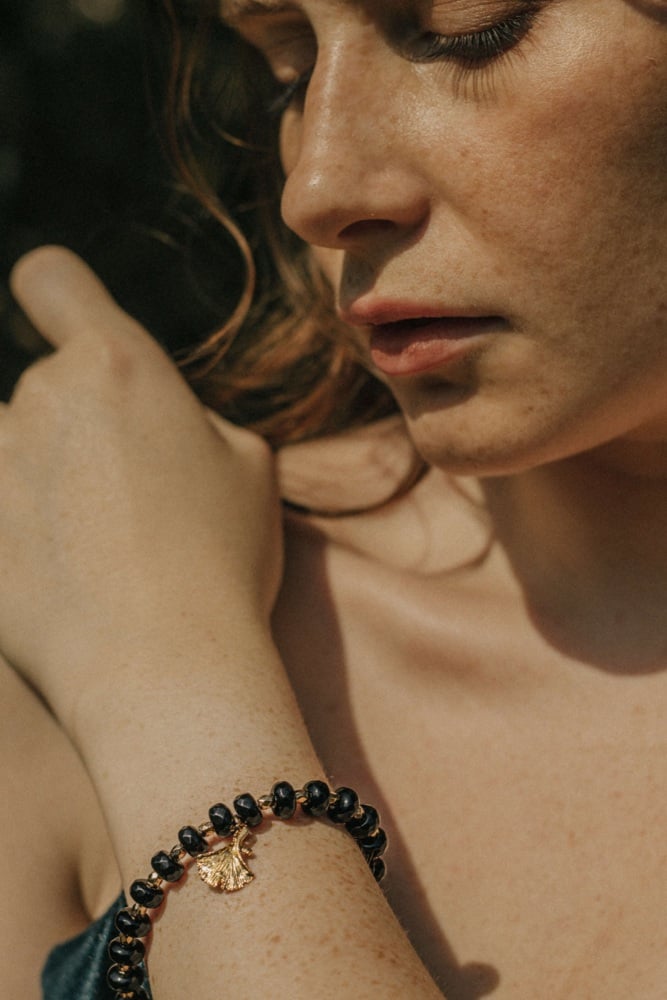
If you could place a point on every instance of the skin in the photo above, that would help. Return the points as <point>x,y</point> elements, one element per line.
<point>492,182</point>
<point>500,635</point>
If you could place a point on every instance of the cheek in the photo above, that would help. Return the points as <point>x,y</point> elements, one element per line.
<point>570,188</point>
<point>561,197</point>
<point>330,263</point>
<point>290,140</point>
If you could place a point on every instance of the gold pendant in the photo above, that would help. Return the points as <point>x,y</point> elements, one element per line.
<point>226,869</point>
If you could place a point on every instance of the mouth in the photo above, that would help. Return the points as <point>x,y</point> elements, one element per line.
<point>412,346</point>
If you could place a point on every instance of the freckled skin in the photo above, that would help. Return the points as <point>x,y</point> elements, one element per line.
<point>535,190</point>
<point>501,675</point>
<point>489,658</point>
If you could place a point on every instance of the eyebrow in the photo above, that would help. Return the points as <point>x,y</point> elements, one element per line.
<point>232,10</point>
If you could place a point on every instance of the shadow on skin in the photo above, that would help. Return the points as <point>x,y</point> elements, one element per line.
<point>592,633</point>
<point>471,981</point>
<point>652,8</point>
<point>315,639</point>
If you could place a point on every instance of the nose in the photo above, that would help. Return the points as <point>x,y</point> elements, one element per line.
<point>352,177</point>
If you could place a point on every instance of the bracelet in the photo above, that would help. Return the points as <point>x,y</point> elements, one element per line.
<point>226,868</point>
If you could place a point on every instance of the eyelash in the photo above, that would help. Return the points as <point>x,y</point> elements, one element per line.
<point>472,50</point>
<point>288,93</point>
<point>477,49</point>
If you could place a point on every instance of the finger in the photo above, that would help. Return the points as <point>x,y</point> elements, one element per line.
<point>64,299</point>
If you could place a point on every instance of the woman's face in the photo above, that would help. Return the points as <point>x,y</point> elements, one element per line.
<point>485,183</point>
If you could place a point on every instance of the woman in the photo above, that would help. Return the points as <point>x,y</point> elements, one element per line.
<point>483,185</point>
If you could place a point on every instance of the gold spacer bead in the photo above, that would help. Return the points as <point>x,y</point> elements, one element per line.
<point>205,828</point>
<point>265,801</point>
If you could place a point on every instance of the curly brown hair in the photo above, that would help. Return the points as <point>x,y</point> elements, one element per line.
<point>282,364</point>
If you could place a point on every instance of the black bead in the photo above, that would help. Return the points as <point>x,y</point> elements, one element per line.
<point>364,826</point>
<point>378,868</point>
<point>222,819</point>
<point>124,981</point>
<point>247,809</point>
<point>165,866</point>
<point>131,925</point>
<point>283,800</point>
<point>345,806</point>
<point>374,846</point>
<point>317,798</point>
<point>192,841</point>
<point>126,952</point>
<point>146,894</point>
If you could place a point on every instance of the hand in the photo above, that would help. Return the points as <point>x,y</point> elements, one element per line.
<point>125,508</point>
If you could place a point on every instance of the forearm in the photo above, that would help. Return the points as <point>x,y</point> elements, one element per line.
<point>203,730</point>
<point>153,540</point>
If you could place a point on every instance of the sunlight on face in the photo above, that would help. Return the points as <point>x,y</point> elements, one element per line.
<point>500,161</point>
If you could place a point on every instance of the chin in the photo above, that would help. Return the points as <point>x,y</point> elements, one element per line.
<point>480,463</point>
<point>488,448</point>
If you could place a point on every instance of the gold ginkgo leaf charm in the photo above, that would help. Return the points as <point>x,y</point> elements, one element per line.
<point>226,868</point>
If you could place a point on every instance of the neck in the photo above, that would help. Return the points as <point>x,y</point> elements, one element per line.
<point>586,539</point>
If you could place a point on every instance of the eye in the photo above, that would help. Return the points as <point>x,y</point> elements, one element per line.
<point>285,40</point>
<point>289,94</point>
<point>476,49</point>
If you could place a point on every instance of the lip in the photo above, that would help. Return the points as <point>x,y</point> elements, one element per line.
<point>408,339</point>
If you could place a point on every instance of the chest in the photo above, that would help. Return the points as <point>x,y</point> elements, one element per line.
<point>525,798</point>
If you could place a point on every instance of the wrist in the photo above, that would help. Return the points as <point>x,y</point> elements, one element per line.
<point>226,867</point>
<point>157,661</point>
<point>166,722</point>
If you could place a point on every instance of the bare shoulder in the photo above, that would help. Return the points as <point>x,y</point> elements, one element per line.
<point>49,816</point>
<point>345,567</point>
<point>356,589</point>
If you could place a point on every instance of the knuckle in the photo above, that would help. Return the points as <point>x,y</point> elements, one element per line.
<point>257,448</point>
<point>98,366</point>
<point>34,383</point>
<point>114,357</point>
<point>246,444</point>
<point>119,355</point>
<point>249,444</point>
<point>257,455</point>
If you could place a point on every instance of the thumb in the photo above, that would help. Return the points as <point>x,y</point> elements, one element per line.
<point>64,298</point>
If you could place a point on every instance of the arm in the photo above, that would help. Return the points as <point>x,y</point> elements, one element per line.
<point>51,878</point>
<point>154,542</point>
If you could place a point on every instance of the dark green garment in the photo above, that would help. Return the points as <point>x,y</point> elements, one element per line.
<point>77,969</point>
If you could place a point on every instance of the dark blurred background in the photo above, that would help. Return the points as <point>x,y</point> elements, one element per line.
<point>81,164</point>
